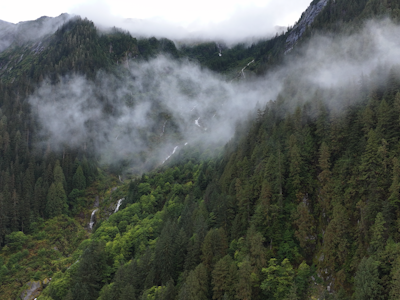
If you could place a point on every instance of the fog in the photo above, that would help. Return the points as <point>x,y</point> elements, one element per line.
<point>206,20</point>
<point>23,32</point>
<point>152,107</point>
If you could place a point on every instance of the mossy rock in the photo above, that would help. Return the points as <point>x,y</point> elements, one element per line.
<point>46,282</point>
<point>33,289</point>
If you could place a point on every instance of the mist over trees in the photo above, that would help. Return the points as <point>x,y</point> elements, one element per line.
<point>301,201</point>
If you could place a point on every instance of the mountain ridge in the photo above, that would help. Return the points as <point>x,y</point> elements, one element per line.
<point>135,169</point>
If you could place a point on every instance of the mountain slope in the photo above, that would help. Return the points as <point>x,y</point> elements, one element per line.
<point>300,203</point>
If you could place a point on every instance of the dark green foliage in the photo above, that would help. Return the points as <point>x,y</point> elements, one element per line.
<point>224,278</point>
<point>16,240</point>
<point>196,285</point>
<point>79,179</point>
<point>366,281</point>
<point>56,200</point>
<point>92,272</point>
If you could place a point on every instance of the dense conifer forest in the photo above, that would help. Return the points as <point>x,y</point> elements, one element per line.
<point>303,202</point>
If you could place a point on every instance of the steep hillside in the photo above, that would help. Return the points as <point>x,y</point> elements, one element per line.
<point>133,169</point>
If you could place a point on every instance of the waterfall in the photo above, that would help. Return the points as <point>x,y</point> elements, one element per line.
<point>219,48</point>
<point>197,122</point>
<point>91,223</point>
<point>176,147</point>
<point>242,71</point>
<point>163,129</point>
<point>119,204</point>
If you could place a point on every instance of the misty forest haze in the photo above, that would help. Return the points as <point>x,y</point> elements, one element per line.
<point>220,158</point>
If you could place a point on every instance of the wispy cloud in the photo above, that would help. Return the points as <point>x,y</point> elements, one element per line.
<point>124,114</point>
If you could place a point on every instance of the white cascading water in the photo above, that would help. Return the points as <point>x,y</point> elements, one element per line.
<point>197,122</point>
<point>245,68</point>
<point>118,204</point>
<point>163,129</point>
<point>219,48</point>
<point>91,223</point>
<point>176,147</point>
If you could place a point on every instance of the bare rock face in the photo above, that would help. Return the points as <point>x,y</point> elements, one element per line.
<point>29,31</point>
<point>33,290</point>
<point>306,19</point>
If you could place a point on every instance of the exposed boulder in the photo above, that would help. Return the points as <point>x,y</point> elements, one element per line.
<point>32,291</point>
<point>46,282</point>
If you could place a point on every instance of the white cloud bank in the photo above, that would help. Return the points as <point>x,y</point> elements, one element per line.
<point>231,21</point>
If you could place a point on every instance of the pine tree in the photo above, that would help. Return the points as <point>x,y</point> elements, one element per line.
<point>214,247</point>
<point>378,241</point>
<point>128,293</point>
<point>366,280</point>
<point>370,171</point>
<point>295,170</point>
<point>394,189</point>
<point>221,276</point>
<point>3,222</point>
<point>244,284</point>
<point>164,254</point>
<point>256,250</point>
<point>79,179</point>
<point>336,244</point>
<point>56,200</point>
<point>395,284</point>
<point>92,271</point>
<point>244,203</point>
<point>304,222</point>
<point>196,285</point>
<point>59,175</point>
<point>325,192</point>
<point>279,279</point>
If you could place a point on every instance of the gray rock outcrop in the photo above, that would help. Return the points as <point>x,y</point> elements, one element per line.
<point>306,19</point>
<point>33,290</point>
<point>29,31</point>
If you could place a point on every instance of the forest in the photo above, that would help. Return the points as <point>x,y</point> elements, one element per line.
<point>303,202</point>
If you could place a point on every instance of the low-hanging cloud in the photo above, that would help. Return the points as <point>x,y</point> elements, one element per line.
<point>22,32</point>
<point>179,21</point>
<point>158,105</point>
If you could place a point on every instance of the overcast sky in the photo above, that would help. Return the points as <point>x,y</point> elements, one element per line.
<point>173,19</point>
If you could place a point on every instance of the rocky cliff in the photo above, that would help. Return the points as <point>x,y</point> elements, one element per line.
<point>306,19</point>
<point>29,30</point>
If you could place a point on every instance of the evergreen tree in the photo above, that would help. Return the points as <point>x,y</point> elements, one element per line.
<point>223,278</point>
<point>366,280</point>
<point>196,285</point>
<point>214,247</point>
<point>91,273</point>
<point>278,281</point>
<point>79,179</point>
<point>395,284</point>
<point>325,192</point>
<point>244,283</point>
<point>59,175</point>
<point>378,241</point>
<point>56,200</point>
